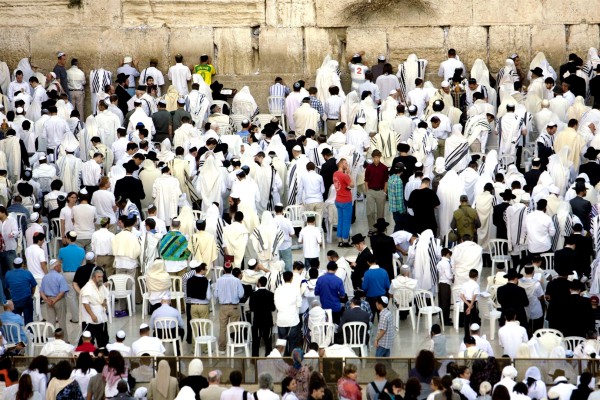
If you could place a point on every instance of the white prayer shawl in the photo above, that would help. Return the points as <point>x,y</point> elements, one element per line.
<point>540,61</point>
<point>387,111</point>
<point>423,144</point>
<point>484,205</point>
<point>95,297</point>
<point>541,119</point>
<point>408,71</point>
<point>515,228</point>
<point>183,134</point>
<point>166,192</point>
<point>25,67</point>
<point>403,126</point>
<point>327,76</point>
<point>11,148</point>
<point>578,109</point>
<point>595,288</point>
<point>4,77</point>
<point>509,131</point>
<point>427,256</point>
<point>350,108</point>
<point>266,239</point>
<point>537,88</point>
<point>449,191</point>
<point>264,176</point>
<point>456,150</point>
<point>210,183</point>
<point>276,146</point>
<point>540,191</point>
<point>243,103</point>
<point>478,127</point>
<point>149,243</point>
<point>235,239</point>
<point>465,257</point>
<point>234,144</point>
<point>386,141</point>
<point>296,169</point>
<point>106,152</point>
<point>590,65</point>
<point>306,117</point>
<point>480,72</point>
<point>355,161</point>
<point>563,222</point>
<point>34,112</point>
<point>63,111</point>
<point>165,154</point>
<point>197,105</point>
<point>69,171</point>
<point>369,112</point>
<point>512,174</point>
<point>506,78</point>
<point>215,225</point>
<point>559,105</point>
<point>281,170</point>
<point>559,170</point>
<point>469,178</point>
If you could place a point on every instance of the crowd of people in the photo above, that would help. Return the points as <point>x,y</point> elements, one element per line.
<point>176,185</point>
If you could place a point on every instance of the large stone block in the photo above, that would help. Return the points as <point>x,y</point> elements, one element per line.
<point>581,37</point>
<point>105,13</point>
<point>318,43</point>
<point>514,12</point>
<point>505,40</point>
<point>281,50</point>
<point>191,43</point>
<point>372,41</point>
<point>191,13</point>
<point>234,52</point>
<point>38,13</point>
<point>290,13</point>
<point>470,42</point>
<point>572,12</point>
<point>551,40</point>
<point>14,45</point>
<point>425,42</point>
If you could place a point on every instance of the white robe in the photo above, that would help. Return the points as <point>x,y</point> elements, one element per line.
<point>469,177</point>
<point>456,151</point>
<point>69,171</point>
<point>427,256</point>
<point>166,192</point>
<point>306,117</point>
<point>465,257</point>
<point>296,169</point>
<point>235,239</point>
<point>484,205</point>
<point>210,183</point>
<point>449,191</point>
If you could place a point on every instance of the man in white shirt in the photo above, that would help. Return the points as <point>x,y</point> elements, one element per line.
<point>418,97</point>
<point>146,343</point>
<point>179,75</point>
<point>288,302</point>
<point>84,217</point>
<point>119,147</point>
<point>311,238</point>
<point>139,116</point>
<point>18,85</point>
<point>311,190</point>
<point>102,247</point>
<point>448,67</point>
<point>480,342</point>
<point>153,72</point>
<point>469,295</point>
<point>246,190</point>
<point>91,172</point>
<point>333,105</point>
<point>76,83</point>
<point>535,294</point>
<point>343,271</point>
<point>285,250</point>
<point>512,334</point>
<point>119,345</point>
<point>108,123</point>
<point>58,347</point>
<point>567,94</point>
<point>54,130</point>
<point>36,257</point>
<point>358,137</point>
<point>539,229</point>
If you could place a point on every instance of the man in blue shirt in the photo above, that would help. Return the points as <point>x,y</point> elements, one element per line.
<point>244,132</point>
<point>229,291</point>
<point>330,288</point>
<point>376,282</point>
<point>167,311</point>
<point>9,317</point>
<point>21,285</point>
<point>53,290</point>
<point>71,257</point>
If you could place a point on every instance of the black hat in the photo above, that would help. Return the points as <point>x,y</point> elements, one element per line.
<point>358,238</point>
<point>472,81</point>
<point>591,153</point>
<point>538,71</point>
<point>508,195</point>
<point>512,274</point>
<point>381,224</point>
<point>597,69</point>
<point>121,78</point>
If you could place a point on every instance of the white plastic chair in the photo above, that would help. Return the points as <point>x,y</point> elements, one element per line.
<point>238,336</point>
<point>404,299</point>
<point>294,214</point>
<point>544,331</point>
<point>57,235</point>
<point>424,300</point>
<point>37,302</point>
<point>498,249</point>
<point>322,333</point>
<point>571,342</point>
<point>317,215</point>
<point>457,306</point>
<point>145,295</point>
<point>198,214</point>
<point>263,119</point>
<point>487,311</point>
<point>11,333</point>
<point>244,108</point>
<point>203,332</point>
<point>166,325</point>
<point>222,104</point>
<point>505,160</point>
<point>549,261</point>
<point>177,292</point>
<point>236,121</point>
<point>118,290</point>
<point>38,333</point>
<point>355,336</point>
<point>276,107</point>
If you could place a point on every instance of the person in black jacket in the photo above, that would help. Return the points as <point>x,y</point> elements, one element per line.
<point>512,296</point>
<point>580,318</point>
<point>583,390</point>
<point>262,303</point>
<point>384,247</point>
<point>498,214</point>
<point>580,206</point>
<point>360,266</point>
<point>584,250</point>
<point>129,187</point>
<point>591,168</point>
<point>595,86</point>
<point>354,314</point>
<point>328,168</point>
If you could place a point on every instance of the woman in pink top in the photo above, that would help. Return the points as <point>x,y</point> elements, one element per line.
<point>343,201</point>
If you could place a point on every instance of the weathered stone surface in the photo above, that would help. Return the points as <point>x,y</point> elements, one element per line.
<point>34,13</point>
<point>425,42</point>
<point>182,13</point>
<point>581,37</point>
<point>571,12</point>
<point>191,43</point>
<point>290,13</point>
<point>551,40</point>
<point>101,13</point>
<point>235,54</point>
<point>514,12</point>
<point>280,50</point>
<point>14,45</point>
<point>372,41</point>
<point>320,42</point>
<point>470,42</point>
<point>505,40</point>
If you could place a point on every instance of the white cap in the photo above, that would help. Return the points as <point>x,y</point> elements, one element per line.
<point>381,57</point>
<point>385,299</point>
<point>445,84</point>
<point>89,255</point>
<point>19,110</point>
<point>281,342</point>
<point>60,54</point>
<point>404,266</point>
<point>560,379</point>
<point>18,260</point>
<point>121,334</point>
<point>554,189</point>
<point>361,120</point>
<point>180,101</point>
<point>245,121</point>
<point>34,216</point>
<point>53,262</point>
<point>138,101</point>
<point>551,123</point>
<point>296,148</point>
<point>42,157</point>
<point>144,326</point>
<point>393,91</point>
<point>509,371</point>
<point>525,198</point>
<point>167,296</point>
<point>52,74</point>
<point>545,103</point>
<point>71,149</point>
<point>474,327</point>
<point>356,55</point>
<point>86,334</point>
<point>127,59</point>
<point>279,205</point>
<point>252,262</point>
<point>194,264</point>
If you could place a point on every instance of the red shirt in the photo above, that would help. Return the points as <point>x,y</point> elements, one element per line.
<point>341,182</point>
<point>86,347</point>
<point>376,176</point>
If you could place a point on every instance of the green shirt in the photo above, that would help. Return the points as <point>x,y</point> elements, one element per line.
<point>206,71</point>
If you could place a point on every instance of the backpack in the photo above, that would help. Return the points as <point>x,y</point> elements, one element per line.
<point>376,389</point>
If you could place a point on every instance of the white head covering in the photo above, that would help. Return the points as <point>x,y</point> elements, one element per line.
<point>238,105</point>
<point>196,367</point>
<point>480,72</point>
<point>165,154</point>
<point>25,67</point>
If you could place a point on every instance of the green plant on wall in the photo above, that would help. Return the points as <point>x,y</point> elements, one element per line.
<point>75,3</point>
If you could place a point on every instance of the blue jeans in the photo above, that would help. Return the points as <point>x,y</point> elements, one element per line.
<point>290,333</point>
<point>382,352</point>
<point>25,307</point>
<point>7,259</point>
<point>400,221</point>
<point>344,219</point>
<point>286,257</point>
<point>307,262</point>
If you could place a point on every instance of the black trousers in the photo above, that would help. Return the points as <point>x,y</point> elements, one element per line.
<point>472,318</point>
<point>445,300</point>
<point>264,333</point>
<point>188,314</point>
<point>99,333</point>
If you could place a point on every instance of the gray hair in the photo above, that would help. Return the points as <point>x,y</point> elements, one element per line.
<point>214,376</point>
<point>265,381</point>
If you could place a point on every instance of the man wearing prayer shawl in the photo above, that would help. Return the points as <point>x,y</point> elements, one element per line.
<point>386,141</point>
<point>266,240</point>
<point>456,151</point>
<point>69,170</point>
<point>107,123</point>
<point>563,222</point>
<point>512,131</point>
<point>180,169</point>
<point>203,246</point>
<point>423,143</point>
<point>150,240</point>
<point>235,239</point>
<point>484,205</point>
<point>469,177</point>
<point>210,183</point>
<point>197,105</point>
<point>559,105</point>
<point>166,191</point>
<point>515,229</point>
<point>408,71</point>
<point>38,97</point>
<point>174,249</point>
<point>148,176</point>
<point>94,298</point>
<point>466,256</point>
<point>569,138</point>
<point>443,95</point>
<point>127,249</point>
<point>426,258</point>
<point>449,191</point>
<point>184,133</point>
<point>296,169</point>
<point>542,117</point>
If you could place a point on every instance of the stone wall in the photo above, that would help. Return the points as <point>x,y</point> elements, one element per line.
<point>252,41</point>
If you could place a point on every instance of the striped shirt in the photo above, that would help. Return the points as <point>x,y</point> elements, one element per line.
<point>386,323</point>
<point>278,90</point>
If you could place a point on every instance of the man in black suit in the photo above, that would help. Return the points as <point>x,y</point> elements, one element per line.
<point>533,175</point>
<point>129,187</point>
<point>384,247</point>
<point>579,311</point>
<point>328,168</point>
<point>591,168</point>
<point>564,259</point>
<point>498,214</point>
<point>580,206</point>
<point>584,250</point>
<point>360,266</point>
<point>595,86</point>
<point>566,66</point>
<point>262,303</point>
<point>354,314</point>
<point>512,296</point>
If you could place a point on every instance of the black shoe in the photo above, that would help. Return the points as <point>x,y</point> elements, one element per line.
<point>347,244</point>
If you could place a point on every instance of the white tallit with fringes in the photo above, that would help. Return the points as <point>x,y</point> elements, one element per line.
<point>427,256</point>
<point>267,238</point>
<point>484,205</point>
<point>563,222</point>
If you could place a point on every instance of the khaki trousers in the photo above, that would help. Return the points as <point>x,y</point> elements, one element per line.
<point>227,313</point>
<point>316,207</point>
<point>331,126</point>
<point>77,98</point>
<point>72,297</point>
<point>475,147</point>
<point>107,263</point>
<point>375,206</point>
<point>200,311</point>
<point>57,311</point>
